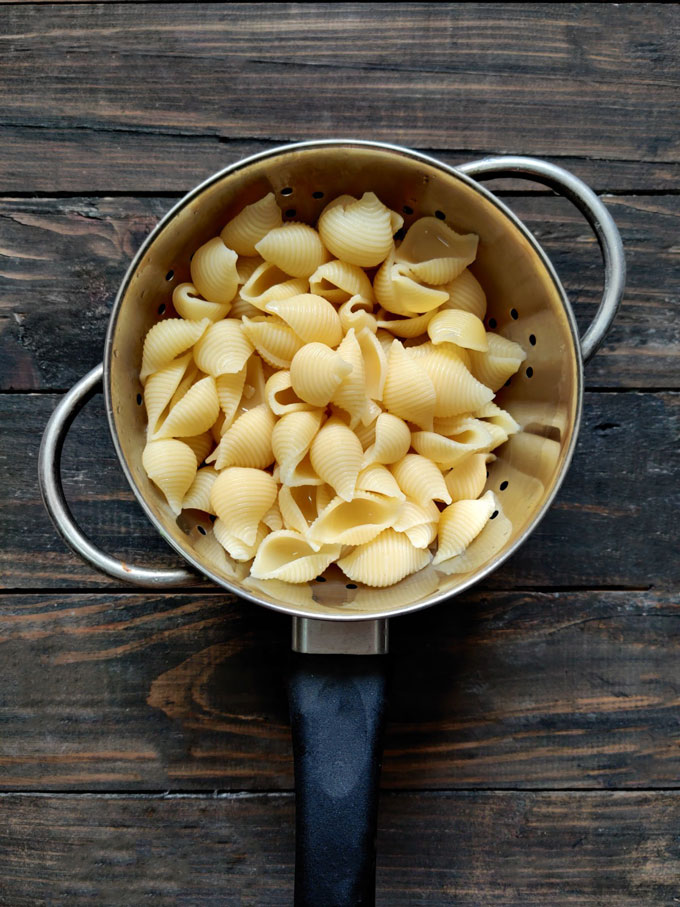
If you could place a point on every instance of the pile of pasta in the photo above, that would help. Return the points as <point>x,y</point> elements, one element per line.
<point>326,395</point>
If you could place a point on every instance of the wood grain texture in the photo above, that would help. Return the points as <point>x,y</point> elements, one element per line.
<point>612,524</point>
<point>461,849</point>
<point>569,690</point>
<point>63,260</point>
<point>106,95</point>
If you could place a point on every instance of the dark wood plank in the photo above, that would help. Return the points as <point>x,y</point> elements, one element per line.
<point>492,690</point>
<point>466,850</point>
<point>63,259</point>
<point>613,523</point>
<point>101,94</point>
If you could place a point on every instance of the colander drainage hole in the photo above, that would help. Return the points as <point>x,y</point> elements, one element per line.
<point>492,323</point>
<point>503,486</point>
<point>440,215</point>
<point>321,579</point>
<point>318,194</point>
<point>139,399</point>
<point>514,314</point>
<point>201,530</point>
<point>291,212</point>
<point>351,586</point>
<point>161,308</point>
<point>407,209</point>
<point>532,339</point>
<point>508,382</point>
<point>287,191</point>
<point>494,515</point>
<point>170,275</point>
<point>530,372</point>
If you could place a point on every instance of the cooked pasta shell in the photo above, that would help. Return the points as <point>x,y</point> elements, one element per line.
<point>447,452</point>
<point>312,318</point>
<point>195,412</point>
<point>248,442</point>
<point>235,546</point>
<point>420,480</point>
<point>201,445</point>
<point>371,413</point>
<point>280,396</point>
<point>456,389</point>
<point>254,386</point>
<point>384,560</point>
<point>392,441</point>
<point>316,372</point>
<point>467,479</point>
<point>268,282</point>
<point>298,506</point>
<point>414,588</point>
<point>244,231</point>
<point>246,267</point>
<point>366,432</point>
<point>171,465</point>
<point>461,328</point>
<point>272,518</point>
<point>291,439</point>
<point>213,271</point>
<point>223,349</point>
<point>198,496</point>
<point>350,395</point>
<point>374,362</point>
<point>354,522</point>
<point>500,417</point>
<point>413,515</point>
<point>479,552</point>
<point>401,294</point>
<point>275,341</point>
<point>288,556</point>
<point>423,535</point>
<point>466,293</point>
<point>159,389</point>
<point>168,339</point>
<point>229,391</point>
<point>240,308</point>
<point>220,425</point>
<point>241,497</point>
<point>460,523</point>
<point>378,479</point>
<point>338,282</point>
<point>405,327</point>
<point>214,555</point>
<point>188,304</point>
<point>295,248</point>
<point>335,455</point>
<point>497,365</point>
<point>357,313</point>
<point>409,392</point>
<point>190,377</point>
<point>359,232</point>
<point>434,253</point>
<point>324,495</point>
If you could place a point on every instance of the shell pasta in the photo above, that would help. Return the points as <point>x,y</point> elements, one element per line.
<point>325,395</point>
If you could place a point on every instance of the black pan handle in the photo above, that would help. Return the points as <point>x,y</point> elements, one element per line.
<point>337,711</point>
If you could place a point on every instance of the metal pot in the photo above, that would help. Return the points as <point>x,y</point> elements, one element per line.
<point>337,688</point>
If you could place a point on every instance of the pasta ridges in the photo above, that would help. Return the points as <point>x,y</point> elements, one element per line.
<point>385,560</point>
<point>408,393</point>
<point>247,228</point>
<point>241,497</point>
<point>336,455</point>
<point>460,523</point>
<point>311,317</point>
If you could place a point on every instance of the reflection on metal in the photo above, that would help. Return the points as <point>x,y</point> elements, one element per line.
<point>323,637</point>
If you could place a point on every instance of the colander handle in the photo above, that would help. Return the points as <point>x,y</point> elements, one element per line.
<point>582,196</point>
<point>49,474</point>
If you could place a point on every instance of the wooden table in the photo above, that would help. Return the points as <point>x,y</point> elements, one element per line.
<point>533,751</point>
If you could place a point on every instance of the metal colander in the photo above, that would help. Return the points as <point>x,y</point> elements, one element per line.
<point>337,704</point>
